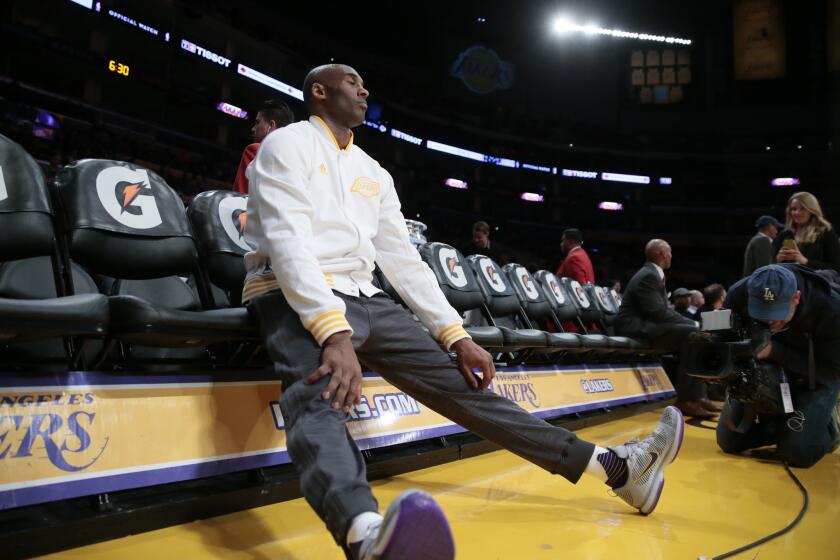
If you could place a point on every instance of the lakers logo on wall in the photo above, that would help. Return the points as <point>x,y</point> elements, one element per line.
<point>127,196</point>
<point>452,267</point>
<point>233,217</point>
<point>365,187</point>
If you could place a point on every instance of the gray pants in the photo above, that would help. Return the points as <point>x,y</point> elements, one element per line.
<point>389,341</point>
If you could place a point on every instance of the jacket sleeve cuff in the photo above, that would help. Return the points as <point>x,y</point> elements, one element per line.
<point>327,324</point>
<point>452,334</point>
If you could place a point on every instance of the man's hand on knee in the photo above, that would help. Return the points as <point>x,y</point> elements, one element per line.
<point>338,360</point>
<point>471,355</point>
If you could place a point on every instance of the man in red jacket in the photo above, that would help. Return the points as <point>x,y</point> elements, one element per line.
<point>272,115</point>
<point>576,265</point>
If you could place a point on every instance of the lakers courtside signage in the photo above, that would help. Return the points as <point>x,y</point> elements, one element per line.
<point>84,433</point>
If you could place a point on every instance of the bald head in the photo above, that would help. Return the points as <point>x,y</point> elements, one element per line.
<point>326,76</point>
<point>659,252</point>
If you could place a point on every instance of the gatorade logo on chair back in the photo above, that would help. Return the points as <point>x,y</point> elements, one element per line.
<point>126,194</point>
<point>527,283</point>
<point>4,194</point>
<point>233,217</point>
<point>493,276</point>
<point>579,294</point>
<point>451,265</point>
<point>555,289</point>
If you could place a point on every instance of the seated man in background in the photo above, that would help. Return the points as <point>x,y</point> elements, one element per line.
<point>645,313</point>
<point>803,314</point>
<point>272,115</point>
<point>696,301</point>
<point>713,296</point>
<point>681,298</point>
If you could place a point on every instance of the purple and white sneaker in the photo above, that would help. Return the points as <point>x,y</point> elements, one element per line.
<point>414,528</point>
<point>647,459</point>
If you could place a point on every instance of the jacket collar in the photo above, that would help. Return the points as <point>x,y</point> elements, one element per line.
<point>327,134</point>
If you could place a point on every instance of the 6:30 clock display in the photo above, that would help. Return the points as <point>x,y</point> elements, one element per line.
<point>118,67</point>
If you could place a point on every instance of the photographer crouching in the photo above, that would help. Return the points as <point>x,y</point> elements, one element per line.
<point>785,392</point>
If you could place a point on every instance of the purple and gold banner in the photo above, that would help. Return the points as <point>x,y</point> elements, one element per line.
<point>84,433</point>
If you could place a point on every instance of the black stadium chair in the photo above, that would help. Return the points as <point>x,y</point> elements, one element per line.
<point>563,306</point>
<point>589,314</point>
<point>218,220</point>
<point>461,289</point>
<point>125,222</point>
<point>38,320</point>
<point>502,306</point>
<point>538,308</point>
<point>607,309</point>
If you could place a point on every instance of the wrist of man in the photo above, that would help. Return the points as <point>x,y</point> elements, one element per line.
<point>459,344</point>
<point>340,337</point>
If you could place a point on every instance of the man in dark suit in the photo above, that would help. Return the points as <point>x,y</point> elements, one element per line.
<point>645,313</point>
<point>759,251</point>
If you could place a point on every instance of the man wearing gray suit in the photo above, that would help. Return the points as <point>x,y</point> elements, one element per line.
<point>645,313</point>
<point>759,251</point>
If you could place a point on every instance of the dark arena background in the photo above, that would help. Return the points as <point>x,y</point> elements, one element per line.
<point>139,412</point>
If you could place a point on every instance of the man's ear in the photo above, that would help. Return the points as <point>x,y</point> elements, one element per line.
<point>796,297</point>
<point>319,91</point>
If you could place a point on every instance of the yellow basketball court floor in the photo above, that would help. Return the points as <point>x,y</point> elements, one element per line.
<point>502,507</point>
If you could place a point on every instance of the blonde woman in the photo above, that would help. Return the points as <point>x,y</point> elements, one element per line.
<point>808,238</point>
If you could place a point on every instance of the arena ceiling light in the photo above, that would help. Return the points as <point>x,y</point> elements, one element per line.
<point>531,197</point>
<point>563,25</point>
<point>611,206</point>
<point>784,181</point>
<point>455,183</point>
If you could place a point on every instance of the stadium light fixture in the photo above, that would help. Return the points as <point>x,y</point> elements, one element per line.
<point>611,206</point>
<point>531,197</point>
<point>455,183</point>
<point>564,25</point>
<point>784,182</point>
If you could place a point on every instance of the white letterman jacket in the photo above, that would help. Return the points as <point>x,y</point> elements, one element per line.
<point>318,218</point>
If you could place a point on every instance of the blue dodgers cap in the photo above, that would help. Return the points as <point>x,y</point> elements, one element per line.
<point>770,291</point>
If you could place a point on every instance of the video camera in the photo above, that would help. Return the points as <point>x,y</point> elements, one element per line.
<point>727,355</point>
